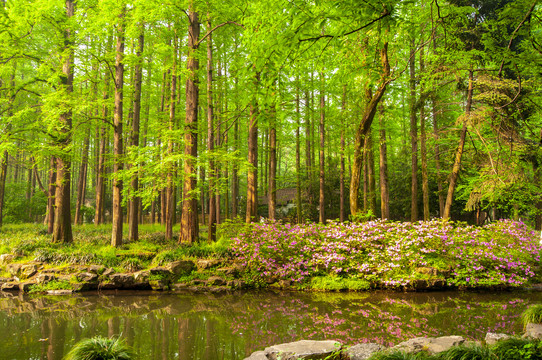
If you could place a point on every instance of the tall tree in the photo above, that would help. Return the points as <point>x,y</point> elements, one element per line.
<point>62,228</point>
<point>116,236</point>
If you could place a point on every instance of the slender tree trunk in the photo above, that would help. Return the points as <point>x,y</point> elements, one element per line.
<point>440,186</point>
<point>100,180</point>
<point>537,171</point>
<point>413,137</point>
<point>321,202</point>
<point>363,128</point>
<point>235,168</point>
<point>211,138</point>
<point>252,176</point>
<point>62,228</point>
<point>272,191</point>
<point>384,188</point>
<point>459,153</point>
<point>189,218</point>
<point>50,217</point>
<point>371,178</point>
<point>170,188</point>
<point>342,215</point>
<point>116,236</point>
<point>81,182</point>
<point>134,218</point>
<point>298,154</point>
<point>308,150</point>
<point>423,148</point>
<point>3,176</point>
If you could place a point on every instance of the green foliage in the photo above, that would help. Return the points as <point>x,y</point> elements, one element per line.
<point>533,314</point>
<point>518,349</point>
<point>475,352</point>
<point>335,283</point>
<point>51,285</point>
<point>399,355</point>
<point>100,348</point>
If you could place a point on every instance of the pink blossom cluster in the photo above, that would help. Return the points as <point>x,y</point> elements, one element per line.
<point>392,253</point>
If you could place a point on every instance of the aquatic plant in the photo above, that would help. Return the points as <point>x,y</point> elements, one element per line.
<point>100,348</point>
<point>533,314</point>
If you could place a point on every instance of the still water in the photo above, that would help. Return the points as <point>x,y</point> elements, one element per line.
<point>231,326</point>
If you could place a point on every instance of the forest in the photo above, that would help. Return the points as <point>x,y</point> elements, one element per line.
<point>194,112</point>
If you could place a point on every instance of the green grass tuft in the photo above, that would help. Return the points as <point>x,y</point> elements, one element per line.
<point>533,314</point>
<point>100,348</point>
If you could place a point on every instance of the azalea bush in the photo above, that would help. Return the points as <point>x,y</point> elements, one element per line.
<point>392,254</point>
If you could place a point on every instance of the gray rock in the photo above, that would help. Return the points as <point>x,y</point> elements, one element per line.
<point>227,271</point>
<point>432,345</point>
<point>60,292</point>
<point>216,281</point>
<point>427,271</point>
<point>257,355</point>
<point>10,286</point>
<point>533,331</point>
<point>363,351</point>
<point>96,269</point>
<point>181,267</point>
<point>159,285</point>
<point>6,258</point>
<point>13,269</point>
<point>44,278</point>
<point>122,280</point>
<point>28,270</point>
<point>160,271</point>
<point>493,338</point>
<point>304,349</point>
<point>86,277</point>
<point>26,286</point>
<point>204,264</point>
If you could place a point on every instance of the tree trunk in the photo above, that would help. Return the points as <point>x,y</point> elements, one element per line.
<point>298,154</point>
<point>81,182</point>
<point>116,236</point>
<point>342,215</point>
<point>440,186</point>
<point>252,176</point>
<point>3,176</point>
<point>50,217</point>
<point>321,201</point>
<point>189,218</point>
<point>413,137</point>
<point>62,228</point>
<point>134,218</point>
<point>235,167</point>
<point>210,137</point>
<point>272,191</point>
<point>423,148</point>
<point>363,128</point>
<point>384,188</point>
<point>459,153</point>
<point>170,187</point>
<point>371,178</point>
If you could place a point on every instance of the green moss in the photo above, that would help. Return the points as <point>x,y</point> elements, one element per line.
<point>336,283</point>
<point>51,285</point>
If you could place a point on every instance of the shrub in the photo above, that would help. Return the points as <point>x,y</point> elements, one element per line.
<point>100,348</point>
<point>518,349</point>
<point>475,352</point>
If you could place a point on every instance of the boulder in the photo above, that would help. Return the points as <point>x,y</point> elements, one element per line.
<point>257,355</point>
<point>10,286</point>
<point>204,264</point>
<point>122,280</point>
<point>362,351</point>
<point>159,284</point>
<point>181,267</point>
<point>96,269</point>
<point>14,269</point>
<point>216,281</point>
<point>227,271</point>
<point>427,271</point>
<point>6,259</point>
<point>44,278</point>
<point>533,331</point>
<point>26,286</point>
<point>87,277</point>
<point>160,271</point>
<point>493,338</point>
<point>304,349</point>
<point>60,292</point>
<point>28,270</point>
<point>236,284</point>
<point>432,345</point>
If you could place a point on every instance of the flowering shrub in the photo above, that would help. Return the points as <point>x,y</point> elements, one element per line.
<point>392,253</point>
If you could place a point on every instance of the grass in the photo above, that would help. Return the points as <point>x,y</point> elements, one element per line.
<point>51,285</point>
<point>100,348</point>
<point>533,314</point>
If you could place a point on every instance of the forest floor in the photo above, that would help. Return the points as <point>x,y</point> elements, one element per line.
<point>333,257</point>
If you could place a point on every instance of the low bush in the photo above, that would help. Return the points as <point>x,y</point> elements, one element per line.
<point>100,348</point>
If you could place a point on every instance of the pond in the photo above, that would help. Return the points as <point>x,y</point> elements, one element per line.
<point>233,325</point>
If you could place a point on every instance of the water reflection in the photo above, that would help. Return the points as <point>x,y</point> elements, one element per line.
<point>231,326</point>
